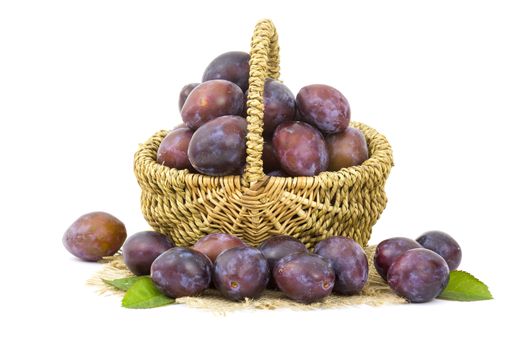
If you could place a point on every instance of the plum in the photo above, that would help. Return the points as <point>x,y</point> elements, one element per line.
<point>279,105</point>
<point>185,92</point>
<point>300,149</point>
<point>241,272</point>
<point>324,107</point>
<point>180,272</point>
<point>215,243</point>
<point>304,277</point>
<point>173,149</point>
<point>232,66</point>
<point>418,275</point>
<point>211,100</point>
<point>270,161</point>
<point>141,249</point>
<point>277,173</point>
<point>277,247</point>
<point>349,262</point>
<point>94,236</point>
<point>218,148</point>
<point>443,244</point>
<point>388,250</point>
<point>346,149</point>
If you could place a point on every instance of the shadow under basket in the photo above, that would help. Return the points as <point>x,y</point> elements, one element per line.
<point>253,206</point>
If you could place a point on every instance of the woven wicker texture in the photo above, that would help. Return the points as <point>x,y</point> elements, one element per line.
<point>254,206</point>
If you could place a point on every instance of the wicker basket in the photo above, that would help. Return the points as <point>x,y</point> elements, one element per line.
<point>254,206</point>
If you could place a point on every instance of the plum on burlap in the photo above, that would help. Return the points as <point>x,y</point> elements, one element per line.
<point>376,292</point>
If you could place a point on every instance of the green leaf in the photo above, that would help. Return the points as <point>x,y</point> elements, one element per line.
<point>124,283</point>
<point>143,295</point>
<point>462,286</point>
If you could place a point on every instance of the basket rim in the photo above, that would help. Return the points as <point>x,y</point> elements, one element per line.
<point>379,164</point>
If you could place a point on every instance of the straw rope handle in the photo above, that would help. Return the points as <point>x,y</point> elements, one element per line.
<point>264,63</point>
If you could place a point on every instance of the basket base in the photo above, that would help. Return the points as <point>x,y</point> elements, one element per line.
<point>185,206</point>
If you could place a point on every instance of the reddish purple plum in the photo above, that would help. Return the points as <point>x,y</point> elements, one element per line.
<point>241,272</point>
<point>218,148</point>
<point>180,272</point>
<point>279,105</point>
<point>185,92</point>
<point>418,275</point>
<point>173,150</point>
<point>232,66</point>
<point>141,249</point>
<point>277,173</point>
<point>277,247</point>
<point>389,250</point>
<point>443,244</point>
<point>324,107</point>
<point>300,149</point>
<point>270,161</point>
<point>349,262</point>
<point>215,243</point>
<point>304,277</point>
<point>211,100</point>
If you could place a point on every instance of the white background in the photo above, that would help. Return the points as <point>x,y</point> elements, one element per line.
<point>83,83</point>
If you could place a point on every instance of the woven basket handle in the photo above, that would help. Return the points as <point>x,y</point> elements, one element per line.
<point>264,63</point>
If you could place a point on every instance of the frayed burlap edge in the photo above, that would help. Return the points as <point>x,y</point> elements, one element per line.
<point>375,293</point>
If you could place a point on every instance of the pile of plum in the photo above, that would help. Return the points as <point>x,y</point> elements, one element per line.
<point>416,270</point>
<point>303,136</point>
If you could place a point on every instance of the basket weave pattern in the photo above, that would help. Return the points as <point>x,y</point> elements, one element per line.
<point>254,206</point>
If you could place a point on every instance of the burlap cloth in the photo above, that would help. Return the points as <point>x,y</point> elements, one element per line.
<point>375,293</point>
